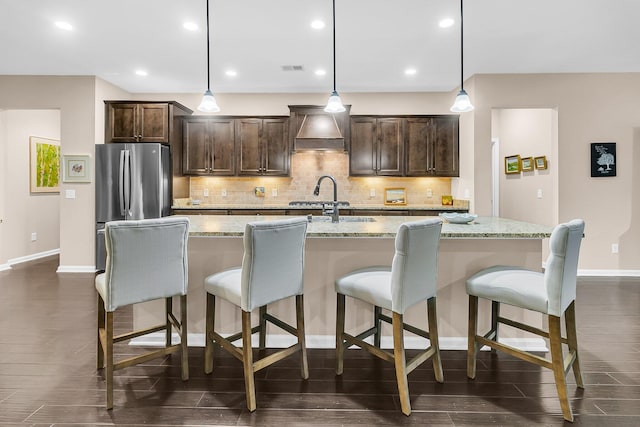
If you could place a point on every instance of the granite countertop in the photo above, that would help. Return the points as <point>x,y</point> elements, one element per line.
<point>435,207</point>
<point>381,226</point>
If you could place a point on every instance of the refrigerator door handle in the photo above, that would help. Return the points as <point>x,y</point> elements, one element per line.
<point>127,183</point>
<point>121,183</point>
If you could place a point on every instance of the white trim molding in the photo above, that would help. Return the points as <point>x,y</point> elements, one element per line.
<point>157,339</point>
<point>608,273</point>
<point>32,257</point>
<point>76,269</point>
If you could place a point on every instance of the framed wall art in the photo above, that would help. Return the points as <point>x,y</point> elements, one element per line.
<point>541,162</point>
<point>44,165</point>
<point>603,159</point>
<point>395,196</point>
<point>527,164</point>
<point>76,168</point>
<point>512,164</point>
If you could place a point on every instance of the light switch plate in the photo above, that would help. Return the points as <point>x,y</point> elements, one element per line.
<point>70,194</point>
<point>205,192</point>
<point>372,192</point>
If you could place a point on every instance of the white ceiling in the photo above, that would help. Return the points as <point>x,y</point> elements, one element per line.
<point>376,40</point>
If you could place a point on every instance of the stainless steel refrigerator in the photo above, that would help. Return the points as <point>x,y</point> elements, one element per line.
<point>133,181</point>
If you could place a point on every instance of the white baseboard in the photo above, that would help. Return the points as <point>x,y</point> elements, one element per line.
<point>76,269</point>
<point>156,339</point>
<point>608,273</point>
<point>28,258</point>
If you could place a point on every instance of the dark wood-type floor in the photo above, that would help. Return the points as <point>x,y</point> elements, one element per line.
<point>48,375</point>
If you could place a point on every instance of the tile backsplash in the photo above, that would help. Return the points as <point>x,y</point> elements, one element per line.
<point>306,168</point>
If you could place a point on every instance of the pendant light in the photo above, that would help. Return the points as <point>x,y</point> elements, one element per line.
<point>334,105</point>
<point>463,102</point>
<point>208,104</point>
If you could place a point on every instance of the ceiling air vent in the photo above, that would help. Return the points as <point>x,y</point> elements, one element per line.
<point>292,68</point>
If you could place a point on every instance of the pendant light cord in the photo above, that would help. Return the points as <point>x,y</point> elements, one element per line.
<point>334,45</point>
<point>208,71</point>
<point>461,47</point>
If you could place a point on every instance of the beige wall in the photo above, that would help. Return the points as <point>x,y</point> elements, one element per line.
<point>591,108</point>
<point>23,210</point>
<point>528,133</point>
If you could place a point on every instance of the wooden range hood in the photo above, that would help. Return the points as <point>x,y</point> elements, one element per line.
<point>313,129</point>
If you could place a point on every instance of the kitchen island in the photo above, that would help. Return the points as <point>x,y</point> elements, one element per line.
<point>215,243</point>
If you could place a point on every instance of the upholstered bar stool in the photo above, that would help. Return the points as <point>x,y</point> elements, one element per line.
<point>551,293</point>
<point>272,269</point>
<point>410,280</point>
<point>146,260</point>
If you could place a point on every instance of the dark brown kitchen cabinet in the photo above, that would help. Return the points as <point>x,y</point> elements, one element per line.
<point>262,146</point>
<point>432,146</point>
<point>208,146</point>
<point>138,122</point>
<point>377,146</point>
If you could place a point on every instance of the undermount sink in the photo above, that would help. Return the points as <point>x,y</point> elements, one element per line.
<point>323,218</point>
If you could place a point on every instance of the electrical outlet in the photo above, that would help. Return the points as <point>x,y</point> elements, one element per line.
<point>372,192</point>
<point>429,193</point>
<point>34,237</point>
<point>205,193</point>
<point>539,193</point>
<point>224,192</point>
<point>274,192</point>
<point>614,248</point>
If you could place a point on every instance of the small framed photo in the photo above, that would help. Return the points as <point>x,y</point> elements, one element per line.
<point>512,164</point>
<point>603,159</point>
<point>76,168</point>
<point>395,196</point>
<point>541,162</point>
<point>527,164</point>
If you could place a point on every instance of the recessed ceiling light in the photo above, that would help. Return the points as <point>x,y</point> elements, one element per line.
<point>317,24</point>
<point>64,25</point>
<point>191,26</point>
<point>320,72</point>
<point>446,23</point>
<point>231,73</point>
<point>410,71</point>
<point>142,73</point>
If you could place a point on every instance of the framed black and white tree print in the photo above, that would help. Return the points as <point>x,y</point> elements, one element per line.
<point>603,159</point>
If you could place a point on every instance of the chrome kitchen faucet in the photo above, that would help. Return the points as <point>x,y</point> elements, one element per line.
<point>334,211</point>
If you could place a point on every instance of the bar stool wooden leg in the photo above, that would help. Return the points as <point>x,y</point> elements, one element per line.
<point>377,311</point>
<point>247,360</point>
<point>101,316</point>
<point>472,345</point>
<point>400,363</point>
<point>495,313</point>
<point>168,309</point>
<point>208,338</point>
<point>301,336</point>
<point>572,339</point>
<point>183,338</point>
<point>557,364</point>
<point>263,328</point>
<point>434,341</point>
<point>109,356</point>
<point>340,334</point>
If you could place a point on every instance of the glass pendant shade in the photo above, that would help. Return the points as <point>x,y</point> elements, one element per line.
<point>208,104</point>
<point>334,105</point>
<point>462,103</point>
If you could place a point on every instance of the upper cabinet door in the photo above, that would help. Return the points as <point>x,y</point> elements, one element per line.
<point>417,138</point>
<point>248,133</point>
<point>222,147</point>
<point>445,147</point>
<point>153,123</point>
<point>133,122</point>
<point>275,147</point>
<point>390,147</point>
<point>363,154</point>
<point>195,156</point>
